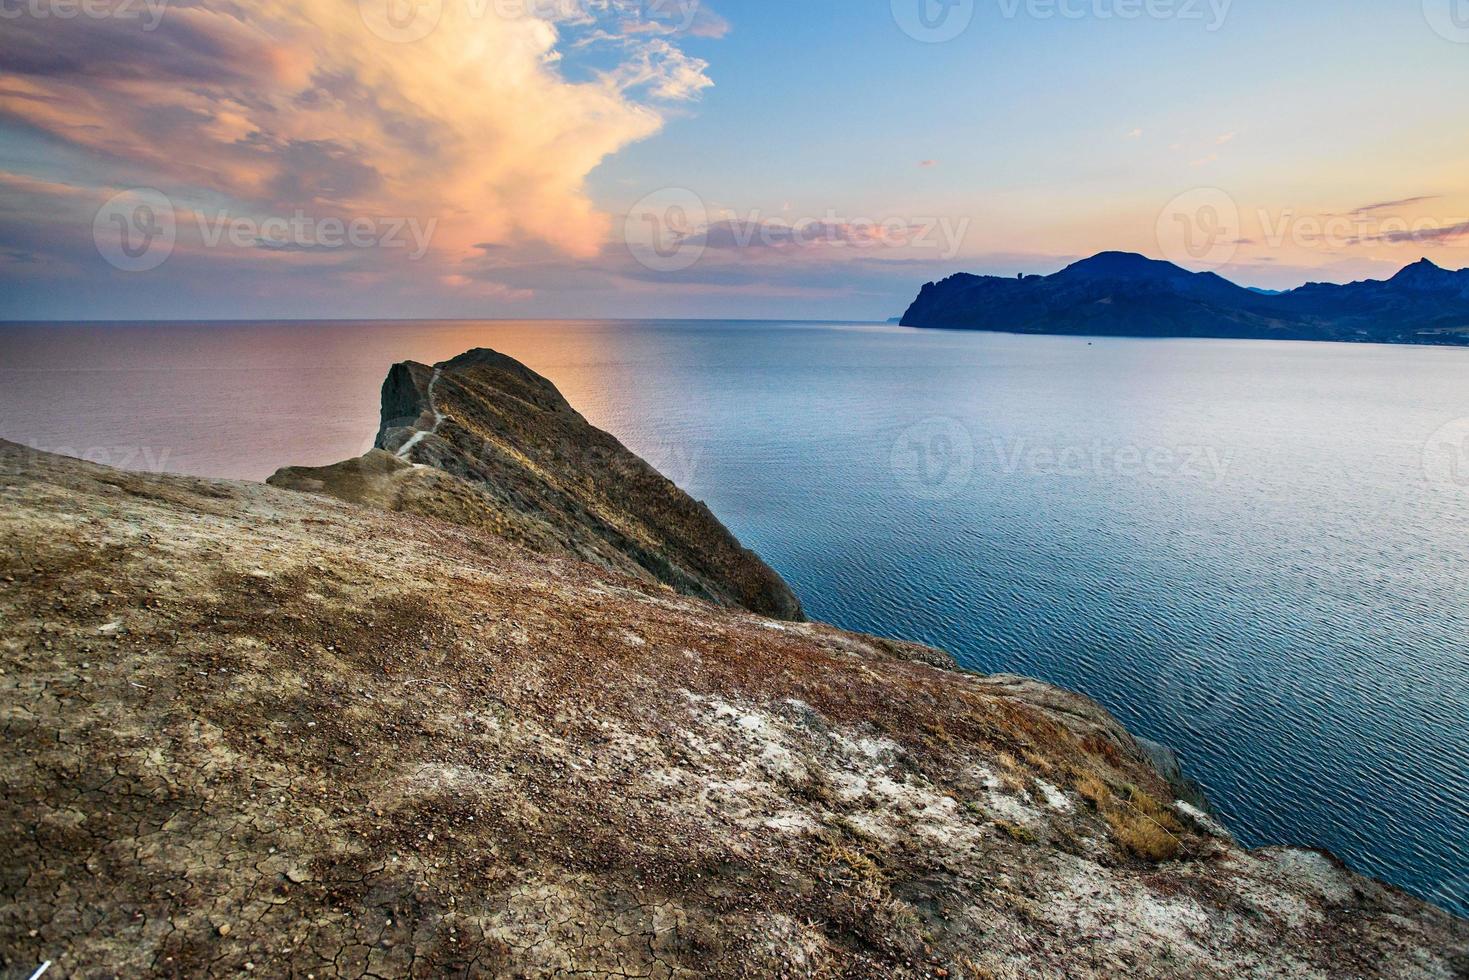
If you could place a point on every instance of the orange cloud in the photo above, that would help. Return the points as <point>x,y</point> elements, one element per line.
<point>283,104</point>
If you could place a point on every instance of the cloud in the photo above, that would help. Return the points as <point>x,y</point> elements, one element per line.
<point>692,17</point>
<point>807,235</point>
<point>1393,205</point>
<point>274,105</point>
<point>1438,235</point>
<point>661,69</point>
<point>928,163</point>
<point>1135,134</point>
<point>486,288</point>
<point>1226,138</point>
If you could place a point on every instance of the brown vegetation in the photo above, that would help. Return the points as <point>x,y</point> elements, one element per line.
<point>251,726</point>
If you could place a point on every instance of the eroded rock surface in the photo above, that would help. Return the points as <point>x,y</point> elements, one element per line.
<point>533,470</point>
<point>248,729</point>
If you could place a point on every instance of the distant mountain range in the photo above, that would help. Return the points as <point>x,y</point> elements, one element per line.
<point>1122,294</point>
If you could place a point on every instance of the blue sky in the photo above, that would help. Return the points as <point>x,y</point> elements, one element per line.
<point>732,159</point>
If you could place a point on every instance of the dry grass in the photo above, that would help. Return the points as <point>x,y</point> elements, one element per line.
<point>1091,788</point>
<point>1143,826</point>
<point>292,736</point>
<point>1012,775</point>
<point>1036,761</point>
<point>855,870</point>
<point>1141,836</point>
<point>1140,825</point>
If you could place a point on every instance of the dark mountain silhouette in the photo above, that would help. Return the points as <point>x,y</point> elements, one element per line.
<point>1123,294</point>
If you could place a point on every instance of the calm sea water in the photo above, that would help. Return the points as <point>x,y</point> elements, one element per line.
<point>1255,552</point>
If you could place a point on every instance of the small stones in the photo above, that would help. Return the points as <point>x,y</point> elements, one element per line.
<point>579,855</point>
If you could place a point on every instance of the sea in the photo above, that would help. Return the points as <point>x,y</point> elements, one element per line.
<point>1255,552</point>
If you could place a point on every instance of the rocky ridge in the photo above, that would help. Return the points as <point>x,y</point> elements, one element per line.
<point>483,441</point>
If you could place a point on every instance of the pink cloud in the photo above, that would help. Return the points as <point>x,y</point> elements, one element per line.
<point>273,105</point>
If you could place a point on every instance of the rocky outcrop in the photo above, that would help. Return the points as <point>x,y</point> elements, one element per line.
<point>485,442</point>
<point>249,729</point>
<point>1123,294</point>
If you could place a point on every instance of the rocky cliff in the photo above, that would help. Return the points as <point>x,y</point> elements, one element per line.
<point>485,442</point>
<point>255,730</point>
<point>1123,294</point>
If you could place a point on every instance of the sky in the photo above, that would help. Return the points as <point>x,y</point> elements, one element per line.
<point>819,159</point>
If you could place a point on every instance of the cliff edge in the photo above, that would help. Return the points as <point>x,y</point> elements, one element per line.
<point>483,441</point>
<point>1120,294</point>
<point>249,729</point>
